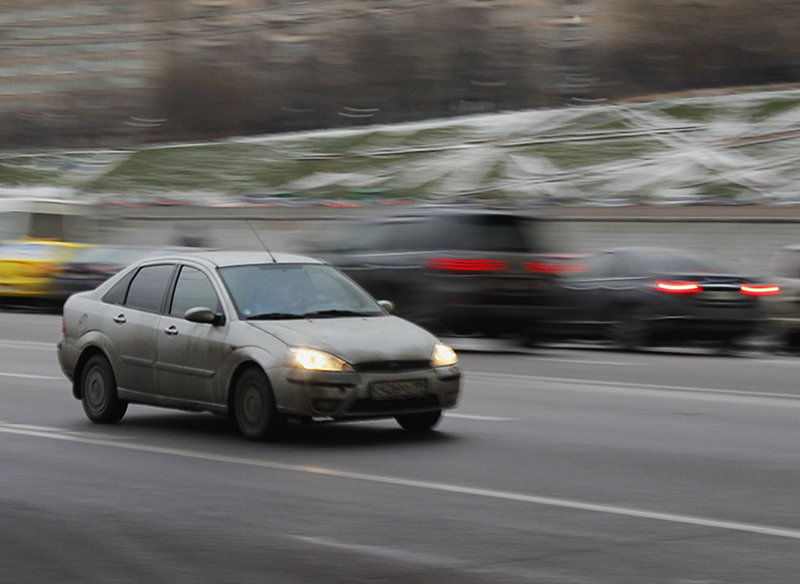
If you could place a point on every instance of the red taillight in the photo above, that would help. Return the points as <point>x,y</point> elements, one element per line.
<point>677,287</point>
<point>467,265</point>
<point>556,267</point>
<point>760,289</point>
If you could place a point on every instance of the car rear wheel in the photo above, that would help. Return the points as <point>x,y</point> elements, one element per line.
<point>99,392</point>
<point>419,422</point>
<point>254,408</point>
<point>629,331</point>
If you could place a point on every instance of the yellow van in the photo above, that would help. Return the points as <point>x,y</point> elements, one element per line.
<point>28,267</point>
<point>36,238</point>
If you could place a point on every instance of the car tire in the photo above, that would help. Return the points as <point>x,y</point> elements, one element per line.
<point>254,409</point>
<point>99,392</point>
<point>419,422</point>
<point>629,331</point>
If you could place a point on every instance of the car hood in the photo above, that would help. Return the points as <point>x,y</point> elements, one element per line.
<point>355,339</point>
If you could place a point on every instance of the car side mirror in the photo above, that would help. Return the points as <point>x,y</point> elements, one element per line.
<point>387,305</point>
<point>203,315</point>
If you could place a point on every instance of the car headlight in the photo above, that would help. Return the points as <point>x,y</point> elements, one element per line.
<point>443,356</point>
<point>315,360</point>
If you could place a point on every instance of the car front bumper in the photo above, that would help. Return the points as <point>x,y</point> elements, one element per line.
<point>353,395</point>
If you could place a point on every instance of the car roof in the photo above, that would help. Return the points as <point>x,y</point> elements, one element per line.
<point>236,258</point>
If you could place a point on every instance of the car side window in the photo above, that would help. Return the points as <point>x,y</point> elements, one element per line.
<point>148,286</point>
<point>193,289</point>
<point>623,267</point>
<point>394,236</point>
<point>600,265</point>
<point>119,290</point>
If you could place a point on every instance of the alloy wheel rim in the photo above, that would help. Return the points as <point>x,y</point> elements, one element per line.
<point>95,389</point>
<point>252,404</point>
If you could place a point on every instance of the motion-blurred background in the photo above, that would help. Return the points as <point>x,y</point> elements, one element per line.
<point>198,122</point>
<point>92,73</point>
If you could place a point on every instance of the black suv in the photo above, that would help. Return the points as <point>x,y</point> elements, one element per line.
<point>459,270</point>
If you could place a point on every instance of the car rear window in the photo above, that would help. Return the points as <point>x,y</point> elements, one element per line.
<point>786,264</point>
<point>500,233</point>
<point>681,263</point>
<point>480,233</point>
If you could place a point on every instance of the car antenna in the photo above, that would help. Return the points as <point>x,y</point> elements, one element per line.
<point>261,241</point>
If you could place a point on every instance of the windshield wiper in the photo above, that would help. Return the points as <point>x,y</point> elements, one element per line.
<point>274,316</point>
<point>334,312</point>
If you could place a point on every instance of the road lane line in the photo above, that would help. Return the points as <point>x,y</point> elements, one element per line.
<point>92,435</point>
<point>30,376</point>
<point>27,345</point>
<point>697,521</point>
<point>394,554</point>
<point>582,361</point>
<point>493,377</point>
<point>480,418</point>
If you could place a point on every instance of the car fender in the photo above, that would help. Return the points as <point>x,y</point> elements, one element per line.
<point>273,361</point>
<point>90,342</point>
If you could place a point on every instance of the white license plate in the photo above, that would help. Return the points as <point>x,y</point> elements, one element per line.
<point>400,388</point>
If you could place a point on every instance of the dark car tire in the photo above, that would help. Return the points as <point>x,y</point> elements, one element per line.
<point>629,331</point>
<point>99,392</point>
<point>419,422</point>
<point>254,409</point>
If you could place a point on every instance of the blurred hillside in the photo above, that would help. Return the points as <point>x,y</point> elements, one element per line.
<point>736,148</point>
<point>104,73</point>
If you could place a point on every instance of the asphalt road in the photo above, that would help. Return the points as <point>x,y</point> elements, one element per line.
<point>562,465</point>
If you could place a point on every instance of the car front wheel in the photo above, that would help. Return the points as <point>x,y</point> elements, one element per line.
<point>419,422</point>
<point>99,392</point>
<point>254,408</point>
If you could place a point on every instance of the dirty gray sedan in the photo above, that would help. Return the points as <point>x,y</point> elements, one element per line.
<point>264,338</point>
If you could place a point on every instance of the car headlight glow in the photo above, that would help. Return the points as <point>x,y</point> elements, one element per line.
<point>316,360</point>
<point>443,356</point>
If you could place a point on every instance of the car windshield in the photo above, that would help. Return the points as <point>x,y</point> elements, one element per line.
<point>284,291</point>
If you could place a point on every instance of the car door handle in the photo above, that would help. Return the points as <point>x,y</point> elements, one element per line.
<point>171,330</point>
<point>120,319</point>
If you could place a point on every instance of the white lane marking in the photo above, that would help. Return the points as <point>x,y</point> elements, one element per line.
<point>520,574</point>
<point>480,418</point>
<point>29,376</point>
<point>383,552</point>
<point>476,375</point>
<point>697,521</point>
<point>32,428</point>
<point>27,345</point>
<point>788,361</point>
<point>582,361</point>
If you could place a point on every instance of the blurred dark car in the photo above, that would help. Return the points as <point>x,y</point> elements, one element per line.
<point>89,267</point>
<point>464,270</point>
<point>640,296</point>
<point>783,310</point>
